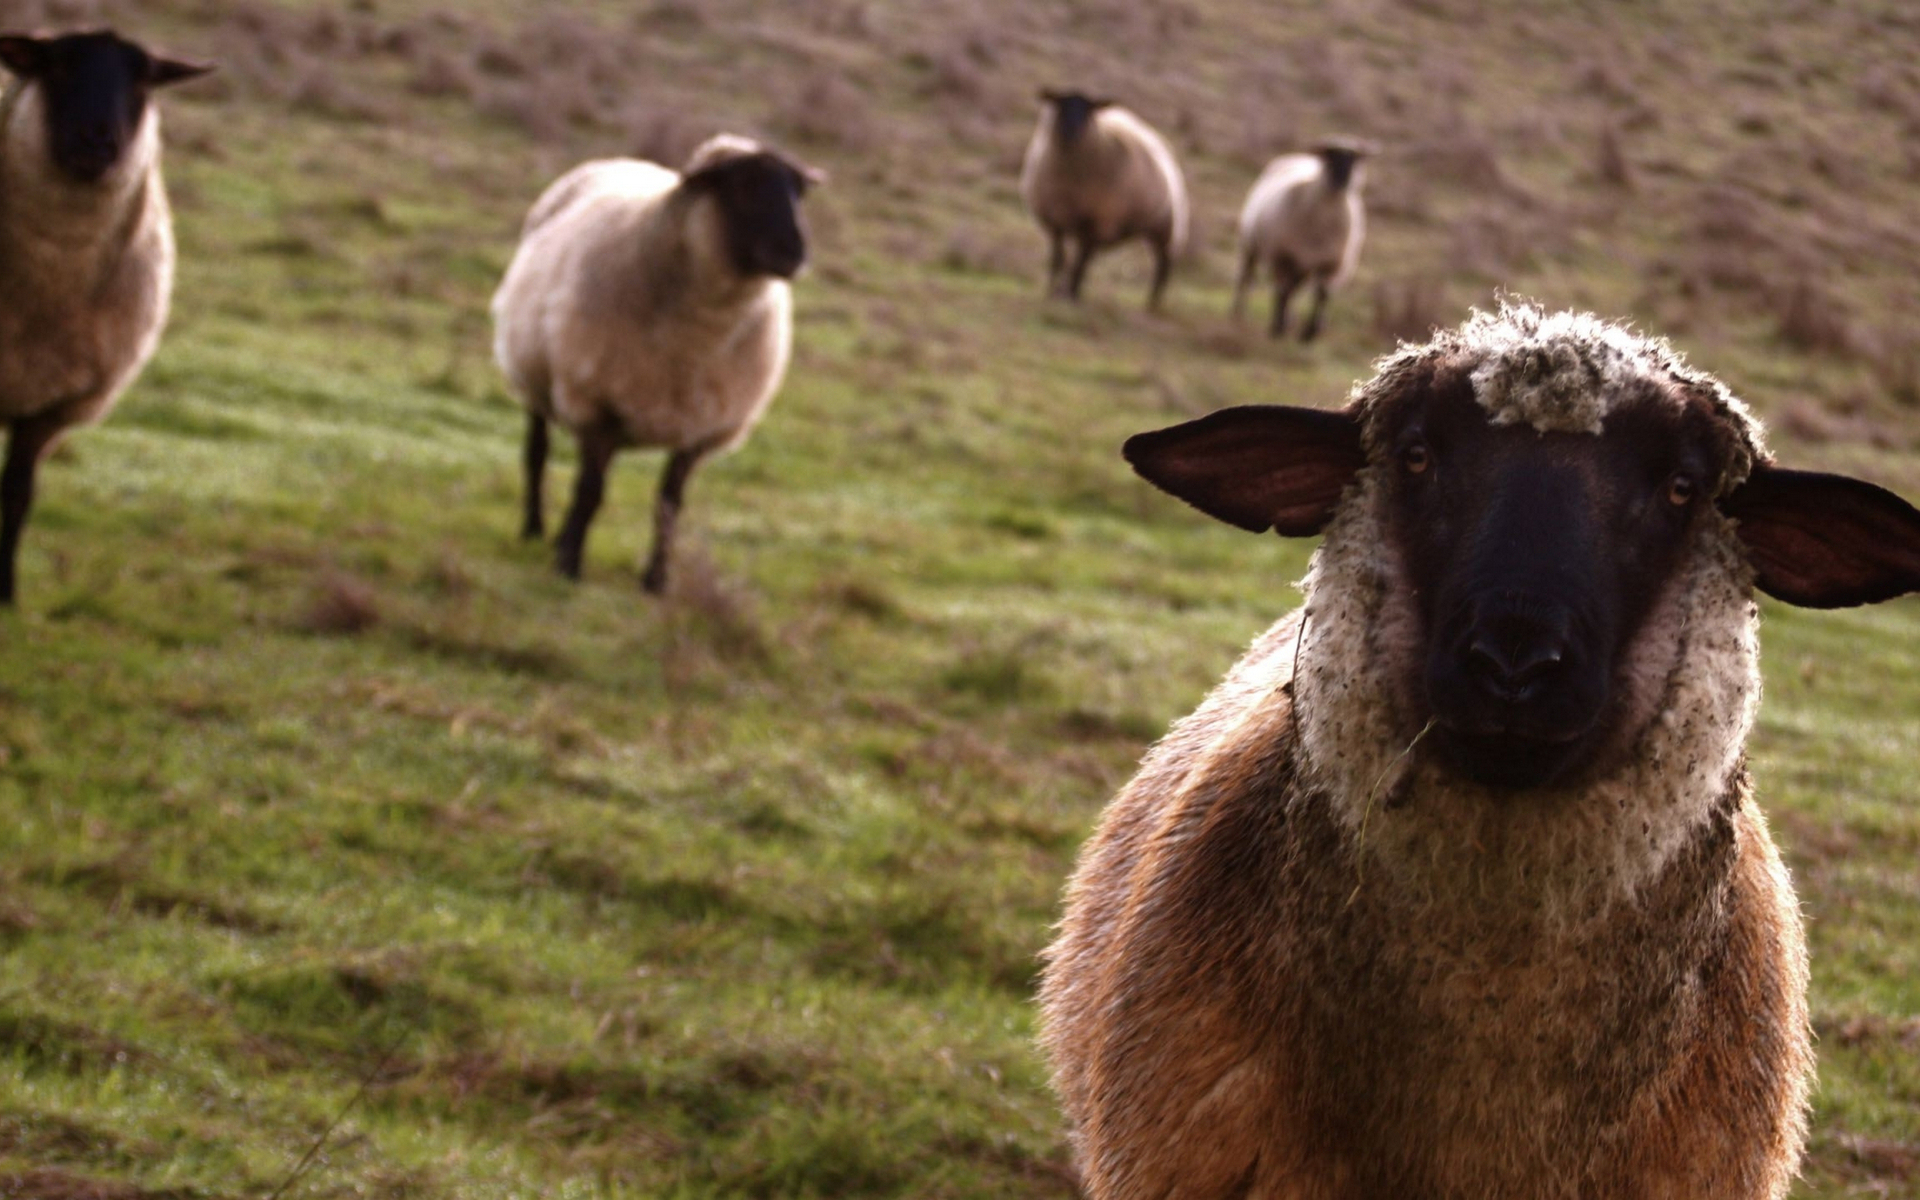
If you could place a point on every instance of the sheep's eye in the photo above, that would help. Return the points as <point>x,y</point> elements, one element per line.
<point>1680,491</point>
<point>1416,458</point>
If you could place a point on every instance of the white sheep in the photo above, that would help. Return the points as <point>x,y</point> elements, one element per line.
<point>86,244</point>
<point>1456,886</point>
<point>1304,219</point>
<point>1096,175</point>
<point>650,308</point>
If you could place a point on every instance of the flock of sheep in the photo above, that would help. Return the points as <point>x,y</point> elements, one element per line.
<point>1456,886</point>
<point>1096,175</point>
<point>644,306</point>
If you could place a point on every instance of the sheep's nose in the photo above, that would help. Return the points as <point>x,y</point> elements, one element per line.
<point>1514,660</point>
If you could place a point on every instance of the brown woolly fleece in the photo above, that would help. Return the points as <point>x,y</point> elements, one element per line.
<point>1299,962</point>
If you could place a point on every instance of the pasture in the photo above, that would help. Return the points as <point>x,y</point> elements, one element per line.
<point>318,786</point>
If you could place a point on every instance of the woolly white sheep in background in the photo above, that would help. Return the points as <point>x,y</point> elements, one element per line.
<point>1456,886</point>
<point>1097,175</point>
<point>86,244</point>
<point>1304,220</point>
<point>645,307</point>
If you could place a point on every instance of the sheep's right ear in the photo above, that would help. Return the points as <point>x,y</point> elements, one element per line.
<point>1263,466</point>
<point>163,71</point>
<point>22,55</point>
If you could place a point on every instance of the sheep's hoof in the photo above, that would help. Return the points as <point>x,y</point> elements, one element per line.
<point>569,565</point>
<point>532,531</point>
<point>654,582</point>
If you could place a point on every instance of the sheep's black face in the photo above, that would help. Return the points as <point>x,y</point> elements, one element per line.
<point>1533,566</point>
<point>1534,559</point>
<point>94,89</point>
<point>1072,113</point>
<point>1339,162</point>
<point>759,200</point>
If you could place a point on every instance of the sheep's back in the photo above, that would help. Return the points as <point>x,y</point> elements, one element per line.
<point>1121,180</point>
<point>573,236</point>
<point>597,318</point>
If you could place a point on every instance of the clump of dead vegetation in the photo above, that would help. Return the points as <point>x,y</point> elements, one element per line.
<point>1408,310</point>
<point>340,604</point>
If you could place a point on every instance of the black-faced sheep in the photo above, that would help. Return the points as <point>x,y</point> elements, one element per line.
<point>650,308</point>
<point>86,244</point>
<point>1304,220</point>
<point>1097,175</point>
<point>1456,886</point>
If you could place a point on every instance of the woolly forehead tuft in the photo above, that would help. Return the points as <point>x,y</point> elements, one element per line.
<point>1560,372</point>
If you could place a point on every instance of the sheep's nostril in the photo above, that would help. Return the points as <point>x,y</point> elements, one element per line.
<point>1513,669</point>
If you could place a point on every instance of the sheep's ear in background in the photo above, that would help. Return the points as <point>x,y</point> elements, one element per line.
<point>1826,541</point>
<point>22,55</point>
<point>809,177</point>
<point>163,71</point>
<point>1259,467</point>
<point>1050,96</point>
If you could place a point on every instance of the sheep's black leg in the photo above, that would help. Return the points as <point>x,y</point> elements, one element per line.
<point>1056,260</point>
<point>1162,266</point>
<point>1083,254</point>
<point>1285,280</point>
<point>1319,305</point>
<point>1249,262</point>
<point>666,513</point>
<point>597,444</point>
<point>534,459</point>
<point>25,447</point>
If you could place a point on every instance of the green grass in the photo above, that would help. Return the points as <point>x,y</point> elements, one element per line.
<point>312,775</point>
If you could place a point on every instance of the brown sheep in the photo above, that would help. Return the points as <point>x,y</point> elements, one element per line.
<point>1456,886</point>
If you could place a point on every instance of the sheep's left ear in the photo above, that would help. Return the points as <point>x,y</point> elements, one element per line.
<point>163,71</point>
<point>1826,541</point>
<point>809,177</point>
<point>24,56</point>
<point>1262,466</point>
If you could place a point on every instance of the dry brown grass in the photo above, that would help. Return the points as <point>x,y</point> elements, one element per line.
<point>664,133</point>
<point>710,613</point>
<point>49,1183</point>
<point>1611,166</point>
<point>970,248</point>
<point>1812,319</point>
<point>439,74</point>
<point>1895,363</point>
<point>340,604</point>
<point>1409,310</point>
<point>824,109</point>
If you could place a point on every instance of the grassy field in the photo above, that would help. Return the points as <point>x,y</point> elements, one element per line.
<point>314,779</point>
